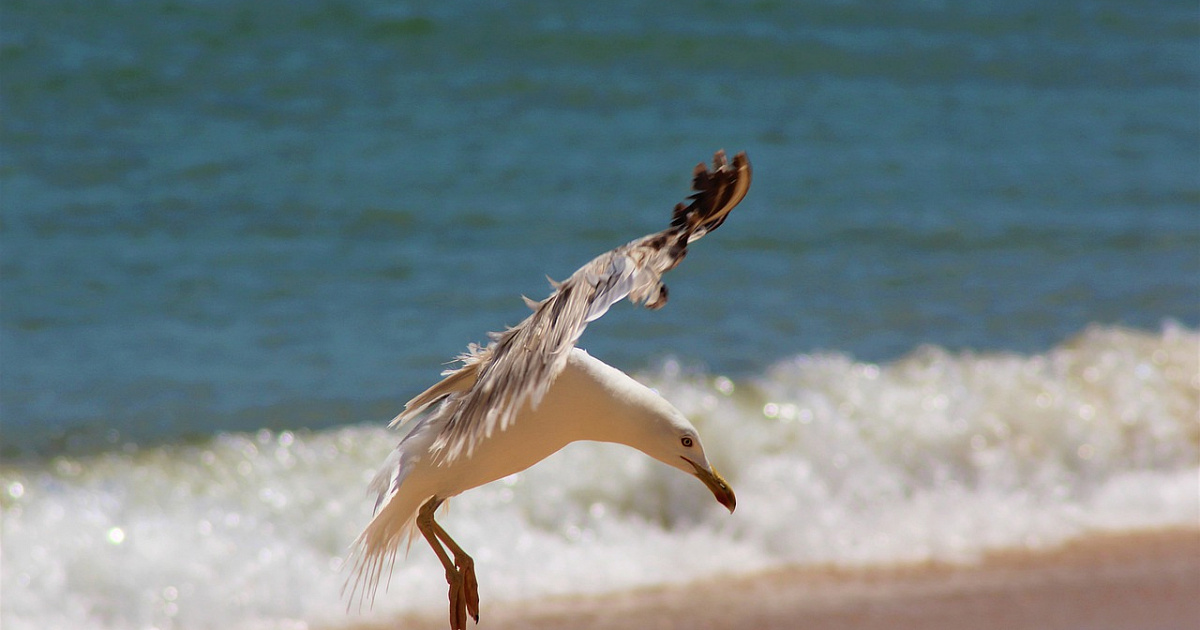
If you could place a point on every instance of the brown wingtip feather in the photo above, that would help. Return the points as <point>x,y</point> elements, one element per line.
<point>717,191</point>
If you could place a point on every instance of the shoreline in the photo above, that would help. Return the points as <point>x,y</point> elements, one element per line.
<point>1146,580</point>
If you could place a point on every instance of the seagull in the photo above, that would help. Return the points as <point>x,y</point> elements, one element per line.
<point>530,392</point>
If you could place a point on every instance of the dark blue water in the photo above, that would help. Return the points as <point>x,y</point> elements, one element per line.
<point>228,215</point>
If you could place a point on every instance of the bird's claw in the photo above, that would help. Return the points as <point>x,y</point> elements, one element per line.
<point>464,594</point>
<point>458,607</point>
<point>470,588</point>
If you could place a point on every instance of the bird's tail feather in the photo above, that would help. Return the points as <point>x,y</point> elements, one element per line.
<point>375,549</point>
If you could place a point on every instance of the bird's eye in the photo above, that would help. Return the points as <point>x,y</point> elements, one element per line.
<point>687,441</point>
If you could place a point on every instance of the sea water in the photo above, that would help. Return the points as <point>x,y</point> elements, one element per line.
<point>958,310</point>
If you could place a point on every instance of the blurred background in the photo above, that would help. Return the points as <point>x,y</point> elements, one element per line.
<point>222,217</point>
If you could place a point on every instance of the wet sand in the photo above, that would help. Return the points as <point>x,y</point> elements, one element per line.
<point>1141,581</point>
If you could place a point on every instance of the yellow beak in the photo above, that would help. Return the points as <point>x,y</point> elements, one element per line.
<point>716,483</point>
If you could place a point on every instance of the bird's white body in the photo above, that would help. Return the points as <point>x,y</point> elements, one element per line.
<point>590,400</point>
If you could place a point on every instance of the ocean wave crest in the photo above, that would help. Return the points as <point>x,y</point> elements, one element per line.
<point>938,455</point>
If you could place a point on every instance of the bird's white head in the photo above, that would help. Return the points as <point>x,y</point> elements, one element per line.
<point>674,441</point>
<point>624,411</point>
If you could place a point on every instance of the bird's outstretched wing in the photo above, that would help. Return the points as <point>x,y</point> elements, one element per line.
<point>521,363</point>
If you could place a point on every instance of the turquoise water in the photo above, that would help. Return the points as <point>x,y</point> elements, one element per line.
<point>229,216</point>
<point>957,312</point>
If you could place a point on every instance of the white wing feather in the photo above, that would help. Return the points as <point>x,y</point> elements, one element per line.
<point>521,363</point>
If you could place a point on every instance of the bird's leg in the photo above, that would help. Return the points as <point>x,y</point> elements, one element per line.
<point>429,528</point>
<point>466,568</point>
<point>460,572</point>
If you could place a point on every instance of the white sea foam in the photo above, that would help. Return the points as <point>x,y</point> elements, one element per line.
<point>938,455</point>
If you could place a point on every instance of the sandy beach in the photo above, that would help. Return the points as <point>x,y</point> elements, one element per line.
<point>1136,581</point>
